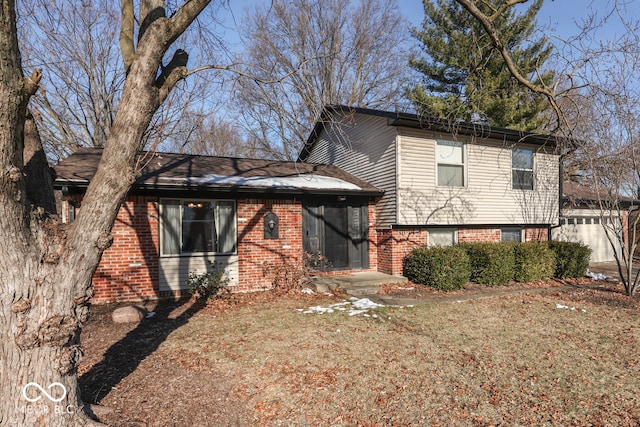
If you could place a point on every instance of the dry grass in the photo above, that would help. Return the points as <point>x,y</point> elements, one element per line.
<point>508,360</point>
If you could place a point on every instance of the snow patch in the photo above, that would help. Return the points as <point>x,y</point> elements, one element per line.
<point>596,276</point>
<point>317,182</point>
<point>353,307</point>
<point>566,307</point>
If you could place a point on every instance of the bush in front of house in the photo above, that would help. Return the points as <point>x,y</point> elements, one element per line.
<point>210,284</point>
<point>491,263</point>
<point>533,261</point>
<point>445,268</point>
<point>572,259</point>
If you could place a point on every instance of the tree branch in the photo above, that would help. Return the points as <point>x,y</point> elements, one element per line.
<point>126,34</point>
<point>175,71</point>
<point>488,23</point>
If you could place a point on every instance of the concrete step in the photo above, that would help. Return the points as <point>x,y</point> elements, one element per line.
<point>356,284</point>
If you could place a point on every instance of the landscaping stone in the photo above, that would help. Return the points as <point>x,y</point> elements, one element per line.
<point>128,314</point>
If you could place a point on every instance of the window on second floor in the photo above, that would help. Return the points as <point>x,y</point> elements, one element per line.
<point>450,158</point>
<point>197,226</point>
<point>522,169</point>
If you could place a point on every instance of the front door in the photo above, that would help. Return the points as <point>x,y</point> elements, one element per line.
<point>336,236</point>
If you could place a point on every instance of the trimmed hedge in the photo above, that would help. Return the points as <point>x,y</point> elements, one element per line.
<point>491,263</point>
<point>572,259</point>
<point>533,261</point>
<point>444,268</point>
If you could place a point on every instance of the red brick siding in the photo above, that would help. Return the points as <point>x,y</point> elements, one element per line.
<point>395,244</point>
<point>128,270</point>
<point>478,235</point>
<point>254,250</point>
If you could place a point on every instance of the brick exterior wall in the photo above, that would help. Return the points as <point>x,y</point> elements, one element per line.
<point>395,244</point>
<point>254,251</point>
<point>129,269</point>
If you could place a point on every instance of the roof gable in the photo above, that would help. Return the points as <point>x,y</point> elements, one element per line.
<point>430,123</point>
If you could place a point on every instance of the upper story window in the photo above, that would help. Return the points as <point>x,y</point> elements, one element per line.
<point>450,158</point>
<point>522,169</point>
<point>197,226</point>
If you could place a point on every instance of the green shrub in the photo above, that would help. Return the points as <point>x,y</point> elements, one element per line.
<point>572,259</point>
<point>445,268</point>
<point>491,263</point>
<point>210,284</point>
<point>534,261</point>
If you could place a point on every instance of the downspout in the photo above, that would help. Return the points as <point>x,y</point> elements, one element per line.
<point>560,198</point>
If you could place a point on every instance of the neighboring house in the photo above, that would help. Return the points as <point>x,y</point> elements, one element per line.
<point>585,217</point>
<point>242,214</point>
<point>444,181</point>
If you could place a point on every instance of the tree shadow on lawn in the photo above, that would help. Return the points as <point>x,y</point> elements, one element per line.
<point>124,357</point>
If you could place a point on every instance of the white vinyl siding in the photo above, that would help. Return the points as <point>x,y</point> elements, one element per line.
<point>486,198</point>
<point>174,270</point>
<point>365,147</point>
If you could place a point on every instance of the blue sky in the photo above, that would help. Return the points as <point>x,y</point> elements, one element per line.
<point>559,16</point>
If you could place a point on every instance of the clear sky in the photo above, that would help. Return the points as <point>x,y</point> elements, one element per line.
<point>559,16</point>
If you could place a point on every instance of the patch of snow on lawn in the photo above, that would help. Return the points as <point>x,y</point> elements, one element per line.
<point>566,307</point>
<point>353,307</point>
<point>596,276</point>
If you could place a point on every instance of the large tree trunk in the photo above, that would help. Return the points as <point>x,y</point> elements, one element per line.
<point>46,267</point>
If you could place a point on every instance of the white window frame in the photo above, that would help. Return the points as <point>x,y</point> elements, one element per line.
<point>432,231</point>
<point>181,201</point>
<point>512,229</point>
<point>452,162</point>
<point>515,169</point>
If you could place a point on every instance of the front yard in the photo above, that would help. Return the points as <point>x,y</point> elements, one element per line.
<point>568,357</point>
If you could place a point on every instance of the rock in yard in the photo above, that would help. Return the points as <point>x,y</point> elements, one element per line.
<point>129,314</point>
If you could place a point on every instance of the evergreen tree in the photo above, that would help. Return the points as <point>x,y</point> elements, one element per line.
<point>464,75</point>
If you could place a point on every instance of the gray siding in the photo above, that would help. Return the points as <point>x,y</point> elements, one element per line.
<point>174,270</point>
<point>364,146</point>
<point>487,197</point>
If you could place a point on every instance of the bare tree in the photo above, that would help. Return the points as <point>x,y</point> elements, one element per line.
<point>347,51</point>
<point>208,135</point>
<point>46,267</point>
<point>78,97</point>
<point>596,107</point>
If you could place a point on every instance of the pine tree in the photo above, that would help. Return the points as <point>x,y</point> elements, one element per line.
<point>465,76</point>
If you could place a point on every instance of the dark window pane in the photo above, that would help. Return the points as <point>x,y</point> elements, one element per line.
<point>511,235</point>
<point>522,180</point>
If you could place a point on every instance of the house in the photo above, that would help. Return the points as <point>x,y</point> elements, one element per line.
<point>443,181</point>
<point>244,215</point>
<point>587,215</point>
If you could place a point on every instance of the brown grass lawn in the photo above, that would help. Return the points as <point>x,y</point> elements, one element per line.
<point>507,360</point>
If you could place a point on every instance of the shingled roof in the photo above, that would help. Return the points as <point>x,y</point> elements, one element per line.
<point>574,194</point>
<point>170,171</point>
